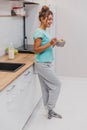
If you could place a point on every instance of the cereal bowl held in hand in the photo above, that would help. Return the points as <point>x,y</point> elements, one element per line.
<point>60,43</point>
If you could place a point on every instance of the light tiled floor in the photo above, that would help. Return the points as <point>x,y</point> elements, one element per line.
<point>72,105</point>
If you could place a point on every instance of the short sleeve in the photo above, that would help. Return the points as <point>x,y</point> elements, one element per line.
<point>38,34</point>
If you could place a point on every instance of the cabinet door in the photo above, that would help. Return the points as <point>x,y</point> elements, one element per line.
<point>15,102</point>
<point>18,101</point>
<point>6,118</point>
<point>19,98</point>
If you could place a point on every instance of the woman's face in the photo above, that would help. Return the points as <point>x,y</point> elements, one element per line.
<point>48,21</point>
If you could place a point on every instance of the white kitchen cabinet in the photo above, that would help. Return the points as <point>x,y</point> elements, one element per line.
<point>18,101</point>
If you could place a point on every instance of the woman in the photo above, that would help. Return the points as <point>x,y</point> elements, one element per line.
<point>43,47</point>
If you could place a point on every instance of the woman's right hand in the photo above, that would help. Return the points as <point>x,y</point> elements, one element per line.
<point>53,41</point>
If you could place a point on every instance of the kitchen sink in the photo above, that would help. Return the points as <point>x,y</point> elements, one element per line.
<point>11,67</point>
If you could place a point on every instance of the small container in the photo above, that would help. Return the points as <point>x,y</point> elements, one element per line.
<point>11,51</point>
<point>19,10</point>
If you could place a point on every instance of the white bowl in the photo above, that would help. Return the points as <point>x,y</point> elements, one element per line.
<point>60,43</point>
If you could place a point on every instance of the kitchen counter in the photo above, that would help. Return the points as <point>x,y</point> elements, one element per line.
<point>7,77</point>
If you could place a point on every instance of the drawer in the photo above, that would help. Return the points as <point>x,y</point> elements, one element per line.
<point>27,75</point>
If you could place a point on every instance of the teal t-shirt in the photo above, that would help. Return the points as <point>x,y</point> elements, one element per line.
<point>46,55</point>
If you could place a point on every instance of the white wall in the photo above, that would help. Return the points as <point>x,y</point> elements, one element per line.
<point>32,21</point>
<point>72,26</point>
<point>11,28</point>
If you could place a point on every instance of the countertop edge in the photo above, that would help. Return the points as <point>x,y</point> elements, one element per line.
<point>14,75</point>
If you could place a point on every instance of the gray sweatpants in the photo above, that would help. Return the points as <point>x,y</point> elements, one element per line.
<point>50,84</point>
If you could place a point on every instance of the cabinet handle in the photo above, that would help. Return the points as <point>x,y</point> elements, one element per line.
<point>28,73</point>
<point>11,88</point>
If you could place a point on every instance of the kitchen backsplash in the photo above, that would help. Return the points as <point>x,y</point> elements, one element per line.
<point>11,30</point>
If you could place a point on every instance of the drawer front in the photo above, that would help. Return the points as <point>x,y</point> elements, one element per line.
<point>20,97</point>
<point>27,75</point>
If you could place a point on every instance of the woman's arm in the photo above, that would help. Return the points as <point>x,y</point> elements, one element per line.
<point>37,45</point>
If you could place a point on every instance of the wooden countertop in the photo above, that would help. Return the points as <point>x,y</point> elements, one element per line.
<point>7,77</point>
